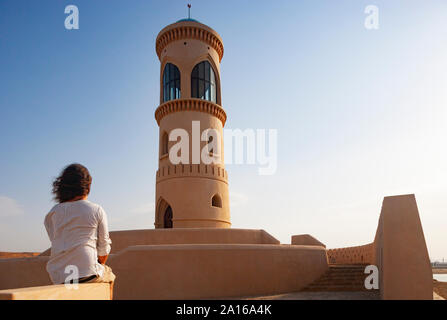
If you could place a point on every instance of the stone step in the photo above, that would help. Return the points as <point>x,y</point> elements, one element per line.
<point>361,281</point>
<point>330,272</point>
<point>349,266</point>
<point>336,288</point>
<point>350,285</point>
<point>339,274</point>
<point>346,269</point>
<point>344,277</point>
<point>335,267</point>
<point>340,278</point>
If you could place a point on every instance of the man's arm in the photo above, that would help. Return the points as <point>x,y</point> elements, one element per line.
<point>103,244</point>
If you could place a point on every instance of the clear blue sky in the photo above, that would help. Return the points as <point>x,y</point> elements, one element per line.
<point>360,114</point>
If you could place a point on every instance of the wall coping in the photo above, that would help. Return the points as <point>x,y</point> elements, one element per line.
<point>85,291</point>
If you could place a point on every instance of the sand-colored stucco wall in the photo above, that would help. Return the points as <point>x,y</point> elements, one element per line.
<point>189,188</point>
<point>192,271</point>
<point>85,291</point>
<point>306,240</point>
<point>261,266</point>
<point>126,238</point>
<point>30,272</point>
<point>401,252</point>
<point>24,272</point>
<point>191,201</point>
<point>184,120</point>
<point>214,271</point>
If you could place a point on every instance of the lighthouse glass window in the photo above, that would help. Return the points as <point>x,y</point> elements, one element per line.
<point>171,82</point>
<point>203,82</point>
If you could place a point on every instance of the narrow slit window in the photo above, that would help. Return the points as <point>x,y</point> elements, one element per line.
<point>164,144</point>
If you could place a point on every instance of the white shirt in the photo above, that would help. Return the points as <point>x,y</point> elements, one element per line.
<point>79,234</point>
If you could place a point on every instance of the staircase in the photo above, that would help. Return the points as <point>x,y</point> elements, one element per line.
<point>341,278</point>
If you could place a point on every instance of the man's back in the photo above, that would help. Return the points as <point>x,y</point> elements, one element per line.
<point>79,234</point>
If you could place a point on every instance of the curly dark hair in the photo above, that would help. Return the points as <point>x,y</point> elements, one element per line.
<point>74,181</point>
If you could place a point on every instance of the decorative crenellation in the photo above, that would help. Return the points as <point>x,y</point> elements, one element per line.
<point>352,255</point>
<point>190,105</point>
<point>189,32</point>
<point>192,170</point>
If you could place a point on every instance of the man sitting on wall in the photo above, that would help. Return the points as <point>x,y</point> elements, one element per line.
<point>78,231</point>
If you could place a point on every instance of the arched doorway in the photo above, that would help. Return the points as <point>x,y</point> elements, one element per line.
<point>167,218</point>
<point>164,214</point>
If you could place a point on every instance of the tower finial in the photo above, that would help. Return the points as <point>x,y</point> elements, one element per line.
<point>189,11</point>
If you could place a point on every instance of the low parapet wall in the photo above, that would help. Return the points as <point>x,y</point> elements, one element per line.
<point>30,272</point>
<point>123,239</point>
<point>197,271</point>
<point>84,291</point>
<point>24,272</point>
<point>352,255</point>
<point>214,271</point>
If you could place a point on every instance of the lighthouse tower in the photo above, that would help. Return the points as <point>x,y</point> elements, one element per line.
<point>192,193</point>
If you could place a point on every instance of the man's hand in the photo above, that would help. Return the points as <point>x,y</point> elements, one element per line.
<point>102,259</point>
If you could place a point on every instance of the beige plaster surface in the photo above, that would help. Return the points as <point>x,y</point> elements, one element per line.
<point>24,272</point>
<point>29,272</point>
<point>123,239</point>
<point>401,252</point>
<point>84,291</point>
<point>437,296</point>
<point>126,238</point>
<point>214,271</point>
